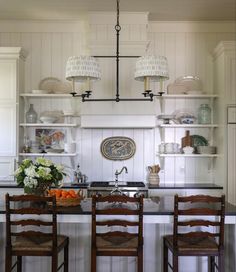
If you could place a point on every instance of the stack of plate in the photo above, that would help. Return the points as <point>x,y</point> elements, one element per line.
<point>206,149</point>
<point>185,85</point>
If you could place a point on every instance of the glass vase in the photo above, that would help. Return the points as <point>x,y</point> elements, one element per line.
<point>31,115</point>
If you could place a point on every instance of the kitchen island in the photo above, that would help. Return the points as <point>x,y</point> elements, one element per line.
<point>158,219</point>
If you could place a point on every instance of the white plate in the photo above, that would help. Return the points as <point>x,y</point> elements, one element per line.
<point>193,83</point>
<point>49,84</point>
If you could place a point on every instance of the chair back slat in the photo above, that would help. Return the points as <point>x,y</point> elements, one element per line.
<point>117,211</point>
<point>117,234</point>
<point>199,211</point>
<point>116,198</point>
<point>122,223</point>
<point>30,210</point>
<point>199,198</point>
<point>31,216</point>
<point>194,223</point>
<point>31,222</point>
<point>188,212</point>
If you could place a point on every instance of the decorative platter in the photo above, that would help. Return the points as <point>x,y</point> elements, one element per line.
<point>118,148</point>
<point>199,140</point>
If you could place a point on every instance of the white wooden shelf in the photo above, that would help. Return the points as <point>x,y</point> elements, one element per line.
<point>191,96</point>
<point>48,154</point>
<point>188,125</point>
<point>54,95</point>
<point>189,155</point>
<point>48,125</point>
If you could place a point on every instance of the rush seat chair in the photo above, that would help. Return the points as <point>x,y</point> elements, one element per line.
<point>198,231</point>
<point>117,228</point>
<point>31,230</point>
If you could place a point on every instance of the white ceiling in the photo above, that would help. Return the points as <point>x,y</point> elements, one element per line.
<point>176,10</point>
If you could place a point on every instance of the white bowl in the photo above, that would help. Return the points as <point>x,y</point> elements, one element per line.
<point>48,119</point>
<point>188,150</point>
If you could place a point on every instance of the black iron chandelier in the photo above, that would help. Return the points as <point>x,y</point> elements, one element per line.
<point>86,68</point>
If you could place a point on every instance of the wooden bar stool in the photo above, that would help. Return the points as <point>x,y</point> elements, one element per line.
<point>113,213</point>
<point>31,230</point>
<point>204,215</point>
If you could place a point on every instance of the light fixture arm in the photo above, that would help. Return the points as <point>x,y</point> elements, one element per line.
<point>148,94</point>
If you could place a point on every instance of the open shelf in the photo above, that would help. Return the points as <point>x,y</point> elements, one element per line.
<point>189,155</point>
<point>54,95</point>
<point>188,125</point>
<point>48,125</point>
<point>191,96</point>
<point>48,154</point>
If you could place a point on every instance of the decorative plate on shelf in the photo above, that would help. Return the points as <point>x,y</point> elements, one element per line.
<point>49,84</point>
<point>118,148</point>
<point>199,140</point>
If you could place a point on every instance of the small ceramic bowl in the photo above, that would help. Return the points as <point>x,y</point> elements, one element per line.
<point>48,119</point>
<point>188,150</point>
<point>187,120</point>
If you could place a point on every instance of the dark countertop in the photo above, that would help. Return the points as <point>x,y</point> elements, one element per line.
<point>186,186</point>
<point>13,185</point>
<point>160,186</point>
<point>152,206</point>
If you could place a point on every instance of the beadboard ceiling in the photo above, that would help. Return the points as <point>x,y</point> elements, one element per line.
<point>159,10</point>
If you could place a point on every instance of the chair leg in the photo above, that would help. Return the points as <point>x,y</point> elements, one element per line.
<point>66,257</point>
<point>221,264</point>
<point>19,263</point>
<point>165,257</point>
<point>8,261</point>
<point>211,264</point>
<point>93,261</point>
<point>54,262</point>
<point>175,263</point>
<point>140,260</point>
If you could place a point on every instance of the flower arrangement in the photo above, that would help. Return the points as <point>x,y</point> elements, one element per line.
<point>38,176</point>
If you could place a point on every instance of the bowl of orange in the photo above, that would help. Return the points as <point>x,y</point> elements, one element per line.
<point>66,198</point>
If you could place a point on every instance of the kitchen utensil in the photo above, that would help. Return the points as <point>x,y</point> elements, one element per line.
<point>206,149</point>
<point>166,117</point>
<point>198,140</point>
<point>188,150</point>
<point>191,82</point>
<point>186,140</point>
<point>48,119</point>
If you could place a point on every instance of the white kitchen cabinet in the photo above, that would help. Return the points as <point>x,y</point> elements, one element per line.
<point>225,71</point>
<point>11,82</point>
<point>231,155</point>
<point>224,61</point>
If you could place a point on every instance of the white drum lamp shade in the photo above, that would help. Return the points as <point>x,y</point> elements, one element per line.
<point>151,68</point>
<point>82,68</point>
<point>154,67</point>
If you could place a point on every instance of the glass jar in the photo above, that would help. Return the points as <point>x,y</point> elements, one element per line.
<point>204,114</point>
<point>31,115</point>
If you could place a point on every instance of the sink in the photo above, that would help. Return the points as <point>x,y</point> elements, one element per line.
<point>120,183</point>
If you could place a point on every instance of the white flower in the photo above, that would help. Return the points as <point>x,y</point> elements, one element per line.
<point>31,171</point>
<point>44,162</point>
<point>44,172</point>
<point>30,182</point>
<point>59,167</point>
<point>18,171</point>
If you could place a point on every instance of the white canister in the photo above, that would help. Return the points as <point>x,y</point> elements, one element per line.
<point>70,147</point>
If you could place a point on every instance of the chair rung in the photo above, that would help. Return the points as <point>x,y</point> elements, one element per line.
<point>116,223</point>
<point>193,223</point>
<point>31,222</point>
<point>199,211</point>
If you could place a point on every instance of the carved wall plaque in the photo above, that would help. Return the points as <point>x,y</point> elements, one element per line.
<point>118,148</point>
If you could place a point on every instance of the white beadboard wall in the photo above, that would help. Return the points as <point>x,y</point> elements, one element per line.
<point>187,46</point>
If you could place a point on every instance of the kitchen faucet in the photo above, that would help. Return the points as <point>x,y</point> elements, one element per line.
<point>117,173</point>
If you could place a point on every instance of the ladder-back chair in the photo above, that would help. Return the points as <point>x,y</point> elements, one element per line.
<point>31,230</point>
<point>117,228</point>
<point>198,230</point>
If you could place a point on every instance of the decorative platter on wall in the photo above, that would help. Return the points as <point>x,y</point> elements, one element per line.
<point>118,148</point>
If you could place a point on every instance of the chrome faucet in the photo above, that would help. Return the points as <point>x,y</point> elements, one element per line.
<point>118,173</point>
<point>116,190</point>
